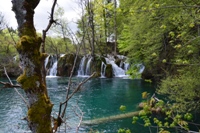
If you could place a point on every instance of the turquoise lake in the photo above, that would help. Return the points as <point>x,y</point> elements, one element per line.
<point>99,97</point>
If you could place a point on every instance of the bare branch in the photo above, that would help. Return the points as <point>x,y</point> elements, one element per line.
<point>80,115</point>
<point>71,74</point>
<point>8,85</point>
<point>51,21</point>
<point>16,89</point>
<point>70,96</point>
<point>79,86</point>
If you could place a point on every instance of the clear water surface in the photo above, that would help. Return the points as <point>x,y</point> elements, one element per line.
<point>100,97</point>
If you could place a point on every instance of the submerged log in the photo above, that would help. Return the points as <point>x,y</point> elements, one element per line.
<point>110,118</point>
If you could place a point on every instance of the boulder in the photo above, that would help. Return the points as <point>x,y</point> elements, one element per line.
<point>65,65</point>
<point>109,71</point>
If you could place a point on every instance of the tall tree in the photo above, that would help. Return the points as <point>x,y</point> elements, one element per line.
<point>99,23</point>
<point>31,61</point>
<point>115,27</point>
<point>164,36</point>
<point>90,11</point>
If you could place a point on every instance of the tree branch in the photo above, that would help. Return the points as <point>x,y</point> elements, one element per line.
<point>80,116</point>
<point>8,85</point>
<point>51,21</point>
<point>16,89</point>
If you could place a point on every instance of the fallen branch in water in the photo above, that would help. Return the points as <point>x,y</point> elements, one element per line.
<point>9,85</point>
<point>110,118</point>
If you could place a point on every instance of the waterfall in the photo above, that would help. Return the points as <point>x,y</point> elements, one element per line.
<point>51,65</point>
<point>117,71</point>
<point>81,70</point>
<point>126,66</point>
<point>46,61</point>
<point>53,70</point>
<point>103,70</point>
<point>88,66</point>
<point>85,66</point>
<point>141,68</point>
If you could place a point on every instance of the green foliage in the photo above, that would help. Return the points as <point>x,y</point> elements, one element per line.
<point>164,116</point>
<point>8,52</point>
<point>164,36</point>
<point>122,108</point>
<point>134,72</point>
<point>160,34</point>
<point>124,130</point>
<point>7,46</point>
<point>183,89</point>
<point>58,45</point>
<point>98,20</point>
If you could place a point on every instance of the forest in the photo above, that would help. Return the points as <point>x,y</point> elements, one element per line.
<point>164,36</point>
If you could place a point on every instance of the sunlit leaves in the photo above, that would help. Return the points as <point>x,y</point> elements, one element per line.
<point>188,116</point>
<point>135,119</point>
<point>191,25</point>
<point>164,61</point>
<point>145,95</point>
<point>122,108</point>
<point>124,130</point>
<point>163,26</point>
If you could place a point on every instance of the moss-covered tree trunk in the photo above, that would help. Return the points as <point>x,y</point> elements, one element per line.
<point>31,60</point>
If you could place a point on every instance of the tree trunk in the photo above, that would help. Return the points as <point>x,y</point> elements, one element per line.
<point>115,27</point>
<point>31,61</point>
<point>91,24</point>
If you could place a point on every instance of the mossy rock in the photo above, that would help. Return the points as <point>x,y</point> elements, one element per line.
<point>109,71</point>
<point>65,65</point>
<point>118,61</point>
<point>96,66</point>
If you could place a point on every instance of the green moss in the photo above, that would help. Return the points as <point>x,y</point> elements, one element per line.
<point>109,73</point>
<point>26,43</point>
<point>28,30</point>
<point>96,66</point>
<point>40,113</point>
<point>29,43</point>
<point>28,82</point>
<point>97,74</point>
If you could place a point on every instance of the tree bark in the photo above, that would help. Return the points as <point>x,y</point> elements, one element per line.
<point>31,60</point>
<point>115,27</point>
<point>90,7</point>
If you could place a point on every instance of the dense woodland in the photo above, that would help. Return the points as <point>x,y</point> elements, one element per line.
<point>162,35</point>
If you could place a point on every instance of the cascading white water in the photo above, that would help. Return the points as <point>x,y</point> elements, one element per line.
<point>141,68</point>
<point>88,66</point>
<point>46,61</point>
<point>126,66</point>
<point>117,71</point>
<point>103,69</point>
<point>53,70</point>
<point>81,70</point>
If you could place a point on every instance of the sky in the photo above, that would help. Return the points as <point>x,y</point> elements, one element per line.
<point>42,13</point>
